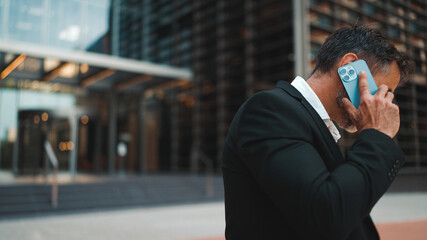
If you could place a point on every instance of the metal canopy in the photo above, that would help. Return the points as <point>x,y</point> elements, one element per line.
<point>98,60</point>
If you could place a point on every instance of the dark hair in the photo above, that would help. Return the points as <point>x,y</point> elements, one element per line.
<point>367,44</point>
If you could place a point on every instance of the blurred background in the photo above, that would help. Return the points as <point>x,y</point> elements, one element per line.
<point>116,103</point>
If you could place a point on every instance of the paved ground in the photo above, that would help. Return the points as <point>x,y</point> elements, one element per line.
<point>411,230</point>
<point>398,216</point>
<point>156,223</point>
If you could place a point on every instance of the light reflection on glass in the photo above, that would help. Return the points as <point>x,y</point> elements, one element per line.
<point>25,21</point>
<point>70,24</point>
<point>36,119</point>
<point>1,14</point>
<point>45,116</point>
<point>11,100</point>
<point>84,119</point>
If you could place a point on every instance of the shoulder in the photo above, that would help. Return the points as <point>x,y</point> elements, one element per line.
<point>272,112</point>
<point>275,101</point>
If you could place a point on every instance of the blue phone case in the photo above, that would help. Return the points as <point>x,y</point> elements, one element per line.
<point>349,75</point>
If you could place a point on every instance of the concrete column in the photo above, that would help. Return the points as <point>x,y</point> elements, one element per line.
<point>301,38</point>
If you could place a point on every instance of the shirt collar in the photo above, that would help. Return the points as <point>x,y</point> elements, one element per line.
<point>301,85</point>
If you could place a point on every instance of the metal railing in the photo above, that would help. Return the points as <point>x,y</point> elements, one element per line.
<point>54,162</point>
<point>209,170</point>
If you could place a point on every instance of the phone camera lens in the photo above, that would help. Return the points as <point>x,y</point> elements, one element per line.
<point>351,72</point>
<point>343,71</point>
<point>346,77</point>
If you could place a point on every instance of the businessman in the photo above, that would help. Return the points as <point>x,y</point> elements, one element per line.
<point>284,175</point>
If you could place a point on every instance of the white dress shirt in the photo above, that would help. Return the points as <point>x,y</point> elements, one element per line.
<point>301,85</point>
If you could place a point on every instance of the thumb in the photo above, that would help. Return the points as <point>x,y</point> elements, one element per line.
<point>349,108</point>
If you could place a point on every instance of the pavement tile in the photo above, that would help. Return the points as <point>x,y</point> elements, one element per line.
<point>410,230</point>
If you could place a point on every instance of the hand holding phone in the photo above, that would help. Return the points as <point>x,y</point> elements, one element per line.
<point>375,111</point>
<point>349,75</point>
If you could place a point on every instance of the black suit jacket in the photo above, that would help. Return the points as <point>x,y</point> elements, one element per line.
<point>285,177</point>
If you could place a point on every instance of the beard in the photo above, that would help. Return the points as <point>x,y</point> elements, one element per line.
<point>345,121</point>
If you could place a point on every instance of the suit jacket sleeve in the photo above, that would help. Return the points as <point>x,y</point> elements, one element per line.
<point>276,145</point>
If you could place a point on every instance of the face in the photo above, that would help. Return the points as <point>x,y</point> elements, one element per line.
<point>390,79</point>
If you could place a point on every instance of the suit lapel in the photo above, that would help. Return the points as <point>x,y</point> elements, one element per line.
<point>333,147</point>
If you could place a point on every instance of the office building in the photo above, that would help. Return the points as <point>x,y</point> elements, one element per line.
<point>215,53</point>
<point>236,48</point>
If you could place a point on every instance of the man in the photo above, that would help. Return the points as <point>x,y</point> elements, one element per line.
<point>284,175</point>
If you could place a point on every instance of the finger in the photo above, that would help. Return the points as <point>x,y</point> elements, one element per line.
<point>389,96</point>
<point>363,83</point>
<point>382,90</point>
<point>349,108</point>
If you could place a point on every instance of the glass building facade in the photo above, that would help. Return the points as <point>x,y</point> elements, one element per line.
<point>60,85</point>
<point>67,25</point>
<point>236,48</point>
<point>32,107</point>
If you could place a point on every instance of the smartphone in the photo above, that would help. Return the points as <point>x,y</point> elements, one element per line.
<point>349,75</point>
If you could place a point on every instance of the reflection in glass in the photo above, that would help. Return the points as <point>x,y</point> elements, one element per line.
<point>67,24</point>
<point>96,29</point>
<point>12,100</point>
<point>1,16</point>
<point>26,20</point>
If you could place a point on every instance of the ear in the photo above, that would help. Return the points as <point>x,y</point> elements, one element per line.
<point>347,58</point>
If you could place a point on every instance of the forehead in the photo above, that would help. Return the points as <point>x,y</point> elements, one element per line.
<point>391,78</point>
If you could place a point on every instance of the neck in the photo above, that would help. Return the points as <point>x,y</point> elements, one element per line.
<point>324,85</point>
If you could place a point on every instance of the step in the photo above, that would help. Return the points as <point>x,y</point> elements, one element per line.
<point>26,199</point>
